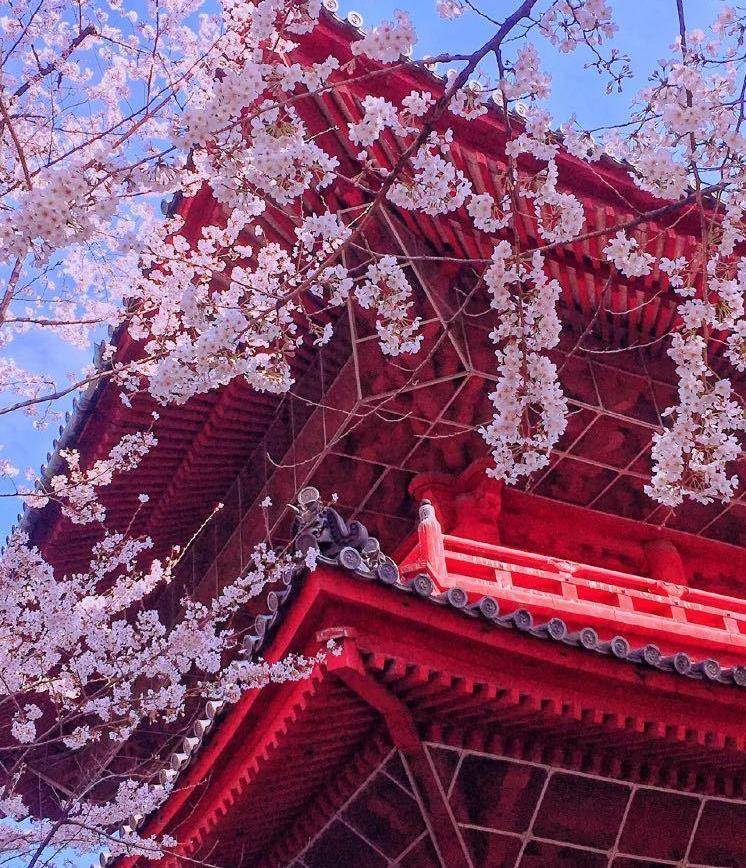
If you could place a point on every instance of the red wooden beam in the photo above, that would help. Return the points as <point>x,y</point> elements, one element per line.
<point>349,668</point>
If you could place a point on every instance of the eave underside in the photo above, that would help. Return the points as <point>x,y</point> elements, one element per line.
<point>536,725</point>
<point>519,813</point>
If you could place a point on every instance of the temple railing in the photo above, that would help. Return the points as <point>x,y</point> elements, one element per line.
<point>670,614</point>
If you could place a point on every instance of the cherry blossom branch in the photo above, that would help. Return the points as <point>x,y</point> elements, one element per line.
<point>16,142</point>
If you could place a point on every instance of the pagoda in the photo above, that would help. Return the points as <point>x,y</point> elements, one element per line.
<point>552,674</point>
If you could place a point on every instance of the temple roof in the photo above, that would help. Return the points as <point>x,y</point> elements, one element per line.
<point>463,666</point>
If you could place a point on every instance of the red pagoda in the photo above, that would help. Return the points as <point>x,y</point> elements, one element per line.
<point>547,675</point>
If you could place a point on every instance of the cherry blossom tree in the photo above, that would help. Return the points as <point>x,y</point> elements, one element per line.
<point>105,111</point>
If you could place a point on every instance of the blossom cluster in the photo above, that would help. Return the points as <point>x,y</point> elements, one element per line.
<point>387,290</point>
<point>568,23</point>
<point>436,186</point>
<point>530,408</point>
<point>450,9</point>
<point>687,122</point>
<point>389,40</point>
<point>96,663</point>
<point>624,252</point>
<point>692,455</point>
<point>77,489</point>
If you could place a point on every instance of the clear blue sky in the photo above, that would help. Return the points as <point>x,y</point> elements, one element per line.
<point>646,29</point>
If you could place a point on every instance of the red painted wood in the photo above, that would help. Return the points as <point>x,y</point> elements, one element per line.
<point>674,616</point>
<point>448,662</point>
<point>404,735</point>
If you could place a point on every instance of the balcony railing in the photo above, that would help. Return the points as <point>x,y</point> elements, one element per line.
<point>669,614</point>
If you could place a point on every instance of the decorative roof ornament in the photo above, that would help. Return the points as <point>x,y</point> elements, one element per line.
<point>426,511</point>
<point>337,543</point>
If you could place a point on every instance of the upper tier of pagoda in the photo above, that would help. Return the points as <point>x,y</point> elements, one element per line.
<point>365,426</point>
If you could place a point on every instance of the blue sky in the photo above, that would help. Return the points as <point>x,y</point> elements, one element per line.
<point>646,30</point>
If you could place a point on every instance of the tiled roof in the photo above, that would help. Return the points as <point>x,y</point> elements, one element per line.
<point>358,564</point>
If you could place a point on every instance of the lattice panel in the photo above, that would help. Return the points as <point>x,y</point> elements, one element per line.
<point>517,814</point>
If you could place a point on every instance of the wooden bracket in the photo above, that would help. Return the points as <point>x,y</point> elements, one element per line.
<point>350,669</point>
